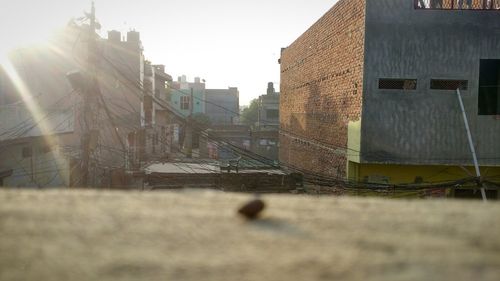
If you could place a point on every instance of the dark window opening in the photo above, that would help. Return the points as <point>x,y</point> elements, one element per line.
<point>27,152</point>
<point>439,84</point>
<point>397,84</point>
<point>272,113</point>
<point>489,87</point>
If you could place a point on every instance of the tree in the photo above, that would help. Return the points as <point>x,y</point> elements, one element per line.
<point>250,114</point>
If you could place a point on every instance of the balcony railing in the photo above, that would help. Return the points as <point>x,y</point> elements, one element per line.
<point>457,4</point>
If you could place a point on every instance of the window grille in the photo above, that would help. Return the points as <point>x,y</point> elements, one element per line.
<point>457,4</point>
<point>397,84</point>
<point>438,84</point>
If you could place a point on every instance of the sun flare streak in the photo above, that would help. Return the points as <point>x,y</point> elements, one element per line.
<point>38,115</point>
<point>25,94</point>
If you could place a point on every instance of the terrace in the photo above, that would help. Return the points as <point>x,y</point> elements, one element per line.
<point>457,4</point>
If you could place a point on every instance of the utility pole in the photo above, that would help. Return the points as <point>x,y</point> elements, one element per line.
<point>89,136</point>
<point>471,144</point>
<point>189,128</point>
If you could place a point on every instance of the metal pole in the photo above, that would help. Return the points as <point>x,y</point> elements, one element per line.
<point>189,128</point>
<point>89,101</point>
<point>471,144</point>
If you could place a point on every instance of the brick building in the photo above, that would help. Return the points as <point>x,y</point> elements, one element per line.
<point>368,91</point>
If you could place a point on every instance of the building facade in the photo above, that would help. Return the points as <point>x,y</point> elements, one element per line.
<point>31,158</point>
<point>369,92</point>
<point>268,112</point>
<point>125,132</point>
<point>180,96</point>
<point>222,105</point>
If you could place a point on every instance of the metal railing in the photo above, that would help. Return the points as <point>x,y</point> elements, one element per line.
<point>457,4</point>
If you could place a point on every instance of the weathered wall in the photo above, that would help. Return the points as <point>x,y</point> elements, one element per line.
<point>45,166</point>
<point>425,126</point>
<point>321,86</point>
<point>267,103</point>
<point>222,105</point>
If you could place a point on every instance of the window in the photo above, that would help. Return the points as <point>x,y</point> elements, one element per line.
<point>489,87</point>
<point>272,113</point>
<point>185,103</point>
<point>27,152</point>
<point>441,84</point>
<point>148,109</point>
<point>397,84</point>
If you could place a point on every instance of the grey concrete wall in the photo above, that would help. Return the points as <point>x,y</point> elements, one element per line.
<point>222,105</point>
<point>268,102</point>
<point>425,126</point>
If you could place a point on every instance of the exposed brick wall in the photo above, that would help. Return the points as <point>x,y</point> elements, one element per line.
<point>321,90</point>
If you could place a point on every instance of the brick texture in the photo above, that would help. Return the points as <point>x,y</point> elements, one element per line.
<point>321,90</point>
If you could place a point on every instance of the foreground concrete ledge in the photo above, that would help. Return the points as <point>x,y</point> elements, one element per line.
<point>197,235</point>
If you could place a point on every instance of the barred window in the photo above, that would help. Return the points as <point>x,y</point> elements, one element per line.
<point>397,84</point>
<point>185,102</point>
<point>438,84</point>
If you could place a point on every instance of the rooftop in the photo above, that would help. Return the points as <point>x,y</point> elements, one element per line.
<point>198,235</point>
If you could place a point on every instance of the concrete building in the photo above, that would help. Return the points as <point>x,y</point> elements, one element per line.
<point>269,105</point>
<point>31,158</point>
<point>222,105</point>
<point>180,96</point>
<point>265,133</point>
<point>266,143</point>
<point>219,142</point>
<point>125,128</point>
<point>369,92</point>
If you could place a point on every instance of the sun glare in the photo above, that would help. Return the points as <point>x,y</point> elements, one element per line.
<point>27,98</point>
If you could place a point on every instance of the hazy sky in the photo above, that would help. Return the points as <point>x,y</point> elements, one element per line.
<point>226,42</point>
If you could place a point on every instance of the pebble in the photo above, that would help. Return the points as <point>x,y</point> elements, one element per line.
<point>252,209</point>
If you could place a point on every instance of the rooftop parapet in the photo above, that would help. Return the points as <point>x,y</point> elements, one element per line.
<point>492,5</point>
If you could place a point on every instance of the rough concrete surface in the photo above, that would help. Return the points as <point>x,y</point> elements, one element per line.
<point>198,235</point>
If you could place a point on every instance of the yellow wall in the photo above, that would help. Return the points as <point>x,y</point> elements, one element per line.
<point>354,141</point>
<point>397,174</point>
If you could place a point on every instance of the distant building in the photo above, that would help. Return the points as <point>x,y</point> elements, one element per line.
<point>129,126</point>
<point>265,133</point>
<point>31,158</point>
<point>234,136</point>
<point>266,143</point>
<point>222,105</point>
<point>219,105</point>
<point>368,92</point>
<point>269,104</point>
<point>180,96</point>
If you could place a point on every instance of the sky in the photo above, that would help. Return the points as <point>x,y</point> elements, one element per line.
<point>229,43</point>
